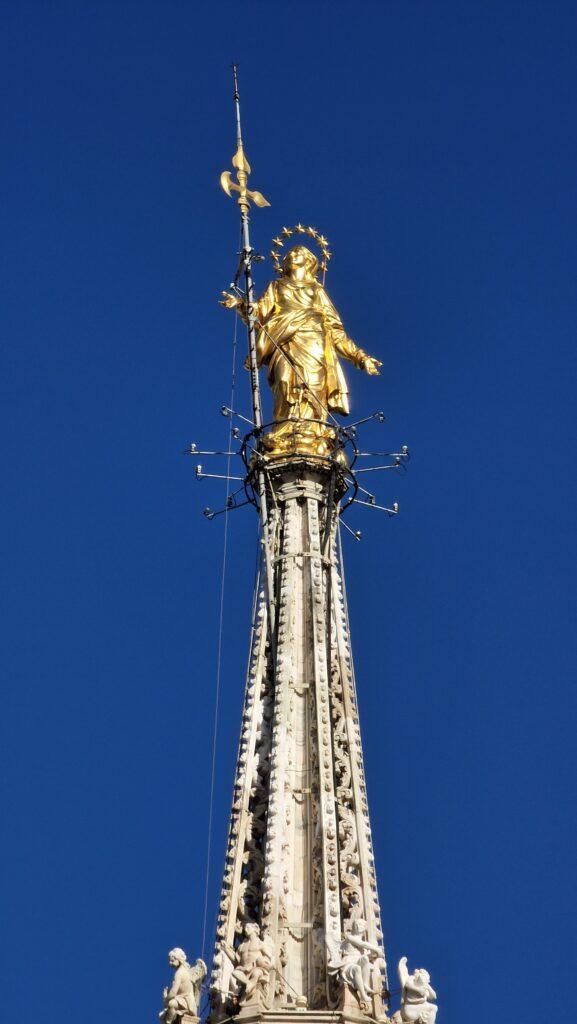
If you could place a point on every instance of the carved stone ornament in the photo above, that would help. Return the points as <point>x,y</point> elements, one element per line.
<point>353,961</point>
<point>181,1001</point>
<point>299,877</point>
<point>417,994</point>
<point>255,961</point>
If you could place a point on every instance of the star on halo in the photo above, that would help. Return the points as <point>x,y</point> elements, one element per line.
<point>302,229</point>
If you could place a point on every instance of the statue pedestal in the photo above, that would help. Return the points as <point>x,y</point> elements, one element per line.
<point>250,1011</point>
<point>351,1008</point>
<point>296,1015</point>
<point>189,1018</point>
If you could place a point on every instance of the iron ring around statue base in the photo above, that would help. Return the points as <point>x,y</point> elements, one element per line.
<point>345,446</point>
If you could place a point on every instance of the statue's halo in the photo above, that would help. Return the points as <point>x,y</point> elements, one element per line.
<point>300,229</point>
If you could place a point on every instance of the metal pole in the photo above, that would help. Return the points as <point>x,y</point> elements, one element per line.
<point>246,257</point>
<point>246,260</point>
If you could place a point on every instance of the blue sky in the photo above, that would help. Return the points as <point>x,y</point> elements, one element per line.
<point>435,145</point>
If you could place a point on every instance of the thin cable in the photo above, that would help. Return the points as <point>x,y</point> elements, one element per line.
<point>255,606</point>
<point>219,653</point>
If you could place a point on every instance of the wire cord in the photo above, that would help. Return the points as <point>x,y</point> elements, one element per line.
<point>219,652</point>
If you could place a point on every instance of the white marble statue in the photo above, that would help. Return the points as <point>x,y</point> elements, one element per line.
<point>183,997</point>
<point>255,960</point>
<point>416,993</point>
<point>353,960</point>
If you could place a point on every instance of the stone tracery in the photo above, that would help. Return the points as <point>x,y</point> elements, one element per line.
<point>300,860</point>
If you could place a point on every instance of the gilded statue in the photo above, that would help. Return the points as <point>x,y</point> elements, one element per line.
<point>300,339</point>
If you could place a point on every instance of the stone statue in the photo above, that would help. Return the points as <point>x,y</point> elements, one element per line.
<point>299,338</point>
<point>181,1000</point>
<point>353,960</point>
<point>255,960</point>
<point>416,993</point>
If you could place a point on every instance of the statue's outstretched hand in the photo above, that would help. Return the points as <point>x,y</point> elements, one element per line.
<point>229,301</point>
<point>371,366</point>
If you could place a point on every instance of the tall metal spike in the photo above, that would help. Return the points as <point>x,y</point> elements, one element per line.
<point>243,170</point>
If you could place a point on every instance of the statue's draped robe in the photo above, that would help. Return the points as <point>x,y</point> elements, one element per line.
<point>300,338</point>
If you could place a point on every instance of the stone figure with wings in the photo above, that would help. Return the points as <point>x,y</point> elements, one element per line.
<point>182,999</point>
<point>417,995</point>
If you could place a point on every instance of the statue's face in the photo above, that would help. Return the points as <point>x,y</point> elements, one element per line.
<point>299,257</point>
<point>173,960</point>
<point>296,257</point>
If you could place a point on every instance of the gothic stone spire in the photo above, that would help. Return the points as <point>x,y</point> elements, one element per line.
<point>299,863</point>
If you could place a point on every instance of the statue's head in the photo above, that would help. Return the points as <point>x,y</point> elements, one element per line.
<point>359,926</point>
<point>176,957</point>
<point>251,928</point>
<point>300,256</point>
<point>422,976</point>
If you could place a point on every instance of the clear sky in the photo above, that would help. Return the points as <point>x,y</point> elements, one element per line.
<point>435,145</point>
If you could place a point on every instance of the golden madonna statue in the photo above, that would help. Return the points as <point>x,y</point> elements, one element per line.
<point>300,337</point>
